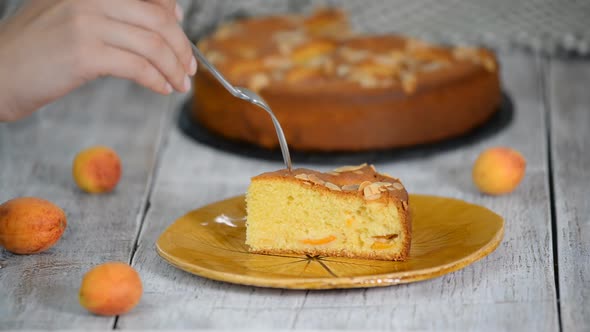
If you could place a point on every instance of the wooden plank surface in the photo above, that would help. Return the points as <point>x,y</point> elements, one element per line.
<point>512,289</point>
<point>41,291</point>
<point>569,100</point>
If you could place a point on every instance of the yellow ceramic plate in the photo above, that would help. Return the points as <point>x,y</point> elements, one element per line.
<point>447,235</point>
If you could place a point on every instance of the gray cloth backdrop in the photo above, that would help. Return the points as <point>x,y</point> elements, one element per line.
<point>541,26</point>
<point>549,27</point>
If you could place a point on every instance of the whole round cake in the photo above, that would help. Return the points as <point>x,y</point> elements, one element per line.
<point>333,90</point>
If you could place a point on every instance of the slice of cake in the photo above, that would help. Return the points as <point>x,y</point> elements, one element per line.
<point>353,211</point>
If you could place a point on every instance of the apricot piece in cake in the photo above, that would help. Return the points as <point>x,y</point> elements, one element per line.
<point>353,211</point>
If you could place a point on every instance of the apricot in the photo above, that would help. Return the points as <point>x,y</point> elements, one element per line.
<point>498,170</point>
<point>324,240</point>
<point>97,169</point>
<point>110,289</point>
<point>30,225</point>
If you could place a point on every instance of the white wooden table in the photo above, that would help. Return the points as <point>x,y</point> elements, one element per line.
<point>537,280</point>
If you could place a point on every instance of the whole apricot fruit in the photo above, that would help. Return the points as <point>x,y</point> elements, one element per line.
<point>498,170</point>
<point>110,289</point>
<point>97,169</point>
<point>30,225</point>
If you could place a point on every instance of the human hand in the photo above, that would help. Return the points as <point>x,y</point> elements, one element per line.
<point>50,48</point>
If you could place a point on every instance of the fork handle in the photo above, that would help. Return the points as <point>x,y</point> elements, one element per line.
<point>214,71</point>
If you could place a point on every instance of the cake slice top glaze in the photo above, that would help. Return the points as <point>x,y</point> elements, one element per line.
<point>362,180</point>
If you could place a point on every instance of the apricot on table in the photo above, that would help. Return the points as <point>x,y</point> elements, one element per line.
<point>30,225</point>
<point>498,170</point>
<point>110,289</point>
<point>97,169</point>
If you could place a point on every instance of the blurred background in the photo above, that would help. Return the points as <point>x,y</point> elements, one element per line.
<point>548,27</point>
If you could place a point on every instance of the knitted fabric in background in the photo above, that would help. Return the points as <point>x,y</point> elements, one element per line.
<point>549,27</point>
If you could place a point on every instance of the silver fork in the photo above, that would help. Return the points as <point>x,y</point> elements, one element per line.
<point>249,96</point>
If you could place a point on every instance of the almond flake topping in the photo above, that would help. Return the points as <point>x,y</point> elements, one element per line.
<point>351,55</point>
<point>432,66</point>
<point>373,197</point>
<point>385,60</point>
<point>277,75</point>
<point>384,184</point>
<point>367,81</point>
<point>363,185</point>
<point>288,40</point>
<point>278,62</point>
<point>215,57</point>
<point>372,189</point>
<point>488,63</point>
<point>295,37</point>
<point>464,53</point>
<point>349,168</point>
<point>474,55</point>
<point>315,179</point>
<point>302,176</point>
<point>332,186</point>
<point>342,70</point>
<point>226,31</point>
<point>258,81</point>
<point>398,186</point>
<point>409,82</point>
<point>350,187</point>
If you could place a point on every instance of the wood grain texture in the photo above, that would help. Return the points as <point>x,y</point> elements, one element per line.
<point>512,289</point>
<point>568,86</point>
<point>41,291</point>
